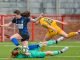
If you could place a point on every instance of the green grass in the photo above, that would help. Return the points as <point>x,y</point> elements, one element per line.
<point>72,54</point>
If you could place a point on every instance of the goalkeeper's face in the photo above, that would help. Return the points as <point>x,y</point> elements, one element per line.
<point>15,53</point>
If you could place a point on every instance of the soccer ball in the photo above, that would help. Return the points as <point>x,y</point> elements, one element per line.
<point>24,49</point>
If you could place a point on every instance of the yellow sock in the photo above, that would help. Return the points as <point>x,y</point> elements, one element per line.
<point>72,34</point>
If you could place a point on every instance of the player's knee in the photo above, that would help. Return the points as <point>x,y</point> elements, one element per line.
<point>48,53</point>
<point>24,39</point>
<point>66,36</point>
<point>11,37</point>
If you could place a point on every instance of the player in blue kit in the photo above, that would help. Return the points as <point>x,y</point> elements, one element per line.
<point>20,20</point>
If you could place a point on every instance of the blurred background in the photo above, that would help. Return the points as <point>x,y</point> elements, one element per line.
<point>39,6</point>
<point>63,10</point>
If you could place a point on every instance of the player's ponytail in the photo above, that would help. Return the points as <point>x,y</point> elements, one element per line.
<point>26,14</point>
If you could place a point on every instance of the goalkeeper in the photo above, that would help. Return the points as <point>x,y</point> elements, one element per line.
<point>34,51</point>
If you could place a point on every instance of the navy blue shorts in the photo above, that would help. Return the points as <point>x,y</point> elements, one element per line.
<point>25,37</point>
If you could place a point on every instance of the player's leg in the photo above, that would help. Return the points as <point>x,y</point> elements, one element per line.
<point>56,52</point>
<point>34,46</point>
<point>71,34</point>
<point>14,38</point>
<point>65,35</point>
<point>24,41</point>
<point>43,54</point>
<point>50,34</point>
<point>47,40</point>
<point>47,37</point>
<point>51,42</point>
<point>48,43</point>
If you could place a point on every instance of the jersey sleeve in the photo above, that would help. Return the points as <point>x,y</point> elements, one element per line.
<point>14,20</point>
<point>27,20</point>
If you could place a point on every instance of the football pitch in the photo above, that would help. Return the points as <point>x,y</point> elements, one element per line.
<point>72,54</point>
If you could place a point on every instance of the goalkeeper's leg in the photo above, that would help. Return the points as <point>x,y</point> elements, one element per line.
<point>57,52</point>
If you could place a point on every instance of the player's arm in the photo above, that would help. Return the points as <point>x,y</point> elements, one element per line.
<point>65,23</point>
<point>36,19</point>
<point>6,25</point>
<point>61,22</point>
<point>32,20</point>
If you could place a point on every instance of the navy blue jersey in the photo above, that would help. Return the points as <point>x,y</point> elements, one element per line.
<point>22,24</point>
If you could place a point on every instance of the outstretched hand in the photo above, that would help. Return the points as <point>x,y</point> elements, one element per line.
<point>65,23</point>
<point>42,14</point>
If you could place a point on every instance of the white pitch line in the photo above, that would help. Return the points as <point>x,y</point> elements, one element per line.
<point>64,46</point>
<point>3,58</point>
<point>57,57</point>
<point>66,56</point>
<point>38,42</point>
<point>7,45</point>
<point>48,46</point>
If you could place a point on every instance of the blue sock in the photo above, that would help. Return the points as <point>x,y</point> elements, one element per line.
<point>33,46</point>
<point>15,41</point>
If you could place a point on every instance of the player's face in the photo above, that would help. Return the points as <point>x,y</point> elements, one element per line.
<point>17,16</point>
<point>14,53</point>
